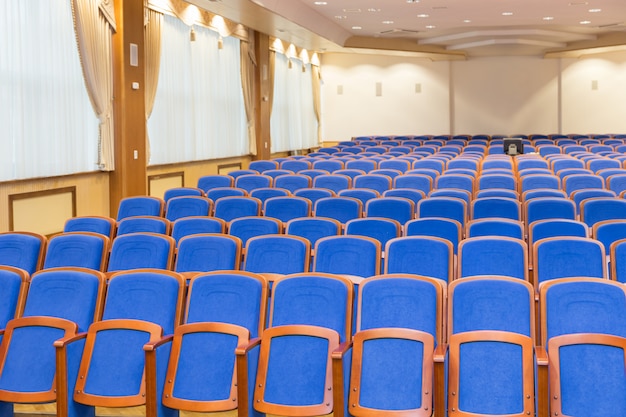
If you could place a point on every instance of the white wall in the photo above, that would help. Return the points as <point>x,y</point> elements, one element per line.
<point>503,95</point>
<point>399,110</point>
<point>586,109</point>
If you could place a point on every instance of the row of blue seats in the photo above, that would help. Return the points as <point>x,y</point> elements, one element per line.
<point>402,205</point>
<point>331,159</point>
<point>489,137</point>
<point>392,343</point>
<point>494,147</point>
<point>432,247</point>
<point>456,147</point>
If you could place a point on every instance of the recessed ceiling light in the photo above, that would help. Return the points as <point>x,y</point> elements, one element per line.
<point>585,22</point>
<point>356,28</point>
<point>548,18</point>
<point>422,15</point>
<point>352,10</point>
<point>595,10</point>
<point>431,27</point>
<point>341,17</point>
<point>507,13</point>
<point>467,21</point>
<point>412,1</point>
<point>387,22</point>
<point>578,3</point>
<point>373,10</point>
<point>320,3</point>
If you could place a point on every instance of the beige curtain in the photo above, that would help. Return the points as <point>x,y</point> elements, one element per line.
<point>317,99</point>
<point>152,40</point>
<point>93,34</point>
<point>248,63</point>
<point>192,15</point>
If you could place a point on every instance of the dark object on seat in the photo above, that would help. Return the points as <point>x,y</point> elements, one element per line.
<point>513,146</point>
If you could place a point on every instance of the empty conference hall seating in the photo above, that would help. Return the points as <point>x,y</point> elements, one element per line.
<point>462,210</point>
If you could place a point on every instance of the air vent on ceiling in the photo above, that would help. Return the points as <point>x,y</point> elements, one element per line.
<point>399,32</point>
<point>620,26</point>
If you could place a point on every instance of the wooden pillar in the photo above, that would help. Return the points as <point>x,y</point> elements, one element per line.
<point>129,177</point>
<point>262,96</point>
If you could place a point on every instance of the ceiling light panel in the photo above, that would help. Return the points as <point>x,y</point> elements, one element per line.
<point>573,17</point>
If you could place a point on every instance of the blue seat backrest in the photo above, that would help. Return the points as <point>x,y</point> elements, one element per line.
<point>208,252</point>
<point>277,254</point>
<point>315,299</point>
<point>22,250</point>
<point>13,283</point>
<point>595,210</point>
<point>247,227</point>
<point>95,224</point>
<point>492,255</point>
<point>141,250</point>
<point>569,256</point>
<point>491,304</point>
<point>436,226</point>
<point>149,224</point>
<point>196,224</point>
<point>70,294</point>
<point>183,206</point>
<point>233,297</point>
<point>407,255</point>
<point>140,206</point>
<point>313,228</point>
<point>85,250</point>
<point>229,208</point>
<point>583,306</point>
<point>149,295</point>
<point>404,302</point>
<point>352,255</point>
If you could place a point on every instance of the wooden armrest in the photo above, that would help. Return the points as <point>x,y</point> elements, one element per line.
<point>542,356</point>
<point>341,350</point>
<point>62,342</point>
<point>243,385</point>
<point>439,357</point>
<point>243,349</point>
<point>62,380</point>
<point>543,404</point>
<point>339,378</point>
<point>154,344</point>
<point>189,275</point>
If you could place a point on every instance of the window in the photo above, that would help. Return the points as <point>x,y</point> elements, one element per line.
<point>48,125</point>
<point>198,112</point>
<point>293,123</point>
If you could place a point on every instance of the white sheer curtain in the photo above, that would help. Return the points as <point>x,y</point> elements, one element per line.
<point>199,111</point>
<point>293,123</point>
<point>48,127</point>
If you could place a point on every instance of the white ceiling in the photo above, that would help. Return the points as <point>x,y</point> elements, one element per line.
<point>438,29</point>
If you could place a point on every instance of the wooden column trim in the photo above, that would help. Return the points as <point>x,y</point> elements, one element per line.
<point>129,177</point>
<point>263,84</point>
